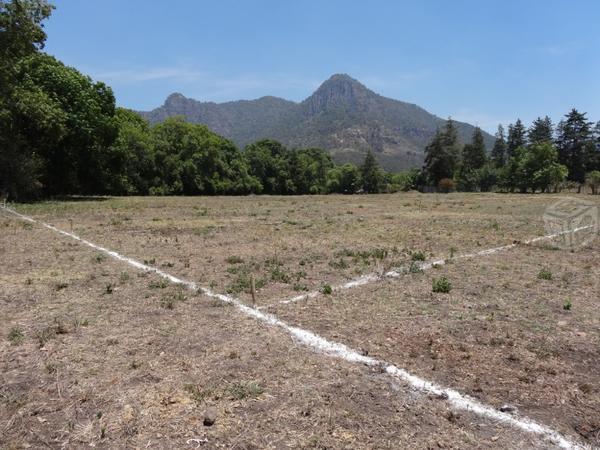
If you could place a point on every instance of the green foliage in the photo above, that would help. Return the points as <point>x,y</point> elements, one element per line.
<point>60,133</point>
<point>544,274</point>
<point>191,160</point>
<point>442,154</point>
<point>415,267</point>
<point>498,154</point>
<point>15,335</point>
<point>269,162</point>
<point>576,147</point>
<point>327,289</point>
<point>517,137</point>
<point>441,285</point>
<point>593,180</point>
<point>402,181</point>
<point>541,131</point>
<point>343,179</point>
<point>473,159</point>
<point>371,175</point>
<point>533,168</point>
<point>418,256</point>
<point>244,390</point>
<point>308,170</point>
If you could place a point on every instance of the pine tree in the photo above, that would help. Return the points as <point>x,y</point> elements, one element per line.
<point>371,174</point>
<point>596,159</point>
<point>473,155</point>
<point>442,154</point>
<point>541,131</point>
<point>498,155</point>
<point>516,137</point>
<point>576,147</point>
<point>473,158</point>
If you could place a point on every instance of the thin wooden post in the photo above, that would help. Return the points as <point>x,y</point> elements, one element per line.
<point>253,289</point>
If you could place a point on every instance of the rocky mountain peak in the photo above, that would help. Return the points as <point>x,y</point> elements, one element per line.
<point>338,90</point>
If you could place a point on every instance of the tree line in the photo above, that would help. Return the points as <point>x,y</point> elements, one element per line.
<point>540,158</point>
<point>62,134</point>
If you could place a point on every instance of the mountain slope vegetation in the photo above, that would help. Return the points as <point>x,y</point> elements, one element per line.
<point>342,116</point>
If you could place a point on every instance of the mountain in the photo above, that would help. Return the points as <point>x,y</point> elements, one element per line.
<point>342,116</point>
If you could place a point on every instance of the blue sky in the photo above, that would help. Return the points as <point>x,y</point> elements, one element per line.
<point>484,62</point>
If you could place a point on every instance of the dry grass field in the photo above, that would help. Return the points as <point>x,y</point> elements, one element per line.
<point>96,353</point>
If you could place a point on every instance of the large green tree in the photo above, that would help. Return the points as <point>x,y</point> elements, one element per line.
<point>371,174</point>
<point>308,170</point>
<point>133,149</point>
<point>76,147</point>
<point>535,167</point>
<point>576,147</point>
<point>474,157</point>
<point>517,137</point>
<point>21,35</point>
<point>540,131</point>
<point>498,154</point>
<point>269,162</point>
<point>442,154</point>
<point>191,160</point>
<point>344,179</point>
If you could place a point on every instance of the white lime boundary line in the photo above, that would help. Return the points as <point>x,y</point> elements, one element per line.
<point>337,350</point>
<point>395,273</point>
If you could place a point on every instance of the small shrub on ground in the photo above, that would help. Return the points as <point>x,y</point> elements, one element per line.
<point>158,284</point>
<point>15,336</point>
<point>99,257</point>
<point>567,305</point>
<point>340,264</point>
<point>362,256</point>
<point>441,285</point>
<point>544,274</point>
<point>243,283</point>
<point>300,287</point>
<point>418,256</point>
<point>278,275</point>
<point>243,390</point>
<point>197,394</point>
<point>169,301</point>
<point>414,268</point>
<point>327,289</point>
<point>234,260</point>
<point>133,365</point>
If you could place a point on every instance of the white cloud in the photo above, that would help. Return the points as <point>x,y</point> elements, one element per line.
<point>132,75</point>
<point>205,85</point>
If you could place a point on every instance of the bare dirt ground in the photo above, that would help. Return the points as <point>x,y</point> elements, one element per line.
<point>94,352</point>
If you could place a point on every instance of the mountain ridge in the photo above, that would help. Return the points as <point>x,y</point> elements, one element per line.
<point>342,116</point>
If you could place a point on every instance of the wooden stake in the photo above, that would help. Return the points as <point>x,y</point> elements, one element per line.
<point>71,222</point>
<point>253,291</point>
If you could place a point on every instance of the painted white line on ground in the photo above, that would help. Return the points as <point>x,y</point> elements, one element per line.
<point>395,273</point>
<point>337,350</point>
